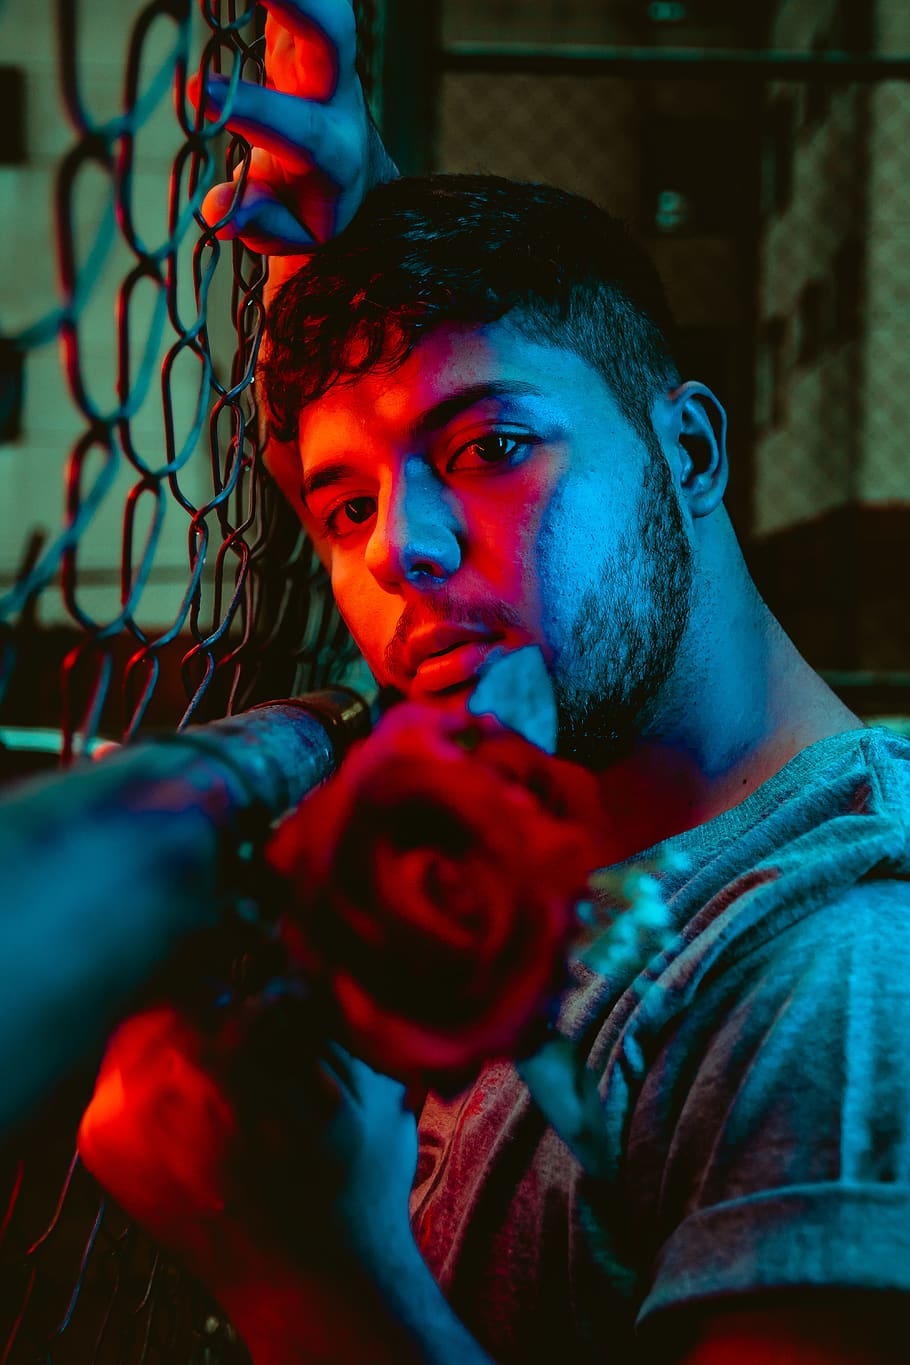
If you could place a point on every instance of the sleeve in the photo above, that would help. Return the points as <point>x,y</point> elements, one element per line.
<point>783,1104</point>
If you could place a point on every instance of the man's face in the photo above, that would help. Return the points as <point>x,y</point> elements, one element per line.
<point>489,494</point>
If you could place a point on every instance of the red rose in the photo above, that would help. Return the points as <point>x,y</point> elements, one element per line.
<point>434,883</point>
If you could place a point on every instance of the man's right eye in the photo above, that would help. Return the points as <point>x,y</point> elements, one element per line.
<point>351,512</point>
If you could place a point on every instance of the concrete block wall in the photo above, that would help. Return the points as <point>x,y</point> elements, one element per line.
<point>885,473</point>
<point>32,468</point>
<point>844,432</point>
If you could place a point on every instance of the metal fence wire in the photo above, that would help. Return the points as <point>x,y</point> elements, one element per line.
<point>164,450</point>
<point>182,463</point>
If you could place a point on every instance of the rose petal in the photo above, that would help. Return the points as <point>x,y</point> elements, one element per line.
<point>434,881</point>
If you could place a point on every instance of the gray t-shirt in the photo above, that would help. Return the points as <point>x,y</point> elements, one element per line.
<point>755,1086</point>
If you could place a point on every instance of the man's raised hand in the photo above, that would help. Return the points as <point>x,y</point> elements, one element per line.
<point>315,150</point>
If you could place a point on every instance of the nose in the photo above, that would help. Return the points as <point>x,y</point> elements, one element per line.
<point>417,536</point>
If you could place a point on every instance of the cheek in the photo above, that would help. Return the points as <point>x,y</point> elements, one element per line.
<point>565,547</point>
<point>505,537</point>
<point>369,613</point>
<point>506,561</point>
<point>354,595</point>
<point>572,550</point>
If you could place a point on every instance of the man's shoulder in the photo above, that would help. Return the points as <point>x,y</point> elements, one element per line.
<point>886,752</point>
<point>823,845</point>
<point>837,816</point>
<point>882,754</point>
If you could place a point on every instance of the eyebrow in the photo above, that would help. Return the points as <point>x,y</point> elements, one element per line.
<point>430,421</point>
<point>324,477</point>
<point>458,402</point>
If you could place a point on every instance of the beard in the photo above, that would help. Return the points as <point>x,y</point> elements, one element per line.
<point>625,634</point>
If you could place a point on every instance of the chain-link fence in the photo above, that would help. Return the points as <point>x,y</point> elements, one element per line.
<point>148,594</point>
<point>149,571</point>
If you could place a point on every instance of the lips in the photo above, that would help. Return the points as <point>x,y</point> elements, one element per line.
<point>444,657</point>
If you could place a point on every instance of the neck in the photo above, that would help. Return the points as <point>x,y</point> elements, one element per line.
<point>736,709</point>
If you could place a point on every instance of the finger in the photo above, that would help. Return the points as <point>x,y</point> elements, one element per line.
<point>356,1076</point>
<point>307,67</point>
<point>339,1064</point>
<point>331,21</point>
<point>300,134</point>
<point>260,218</point>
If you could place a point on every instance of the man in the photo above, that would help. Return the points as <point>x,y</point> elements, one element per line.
<point>478,415</point>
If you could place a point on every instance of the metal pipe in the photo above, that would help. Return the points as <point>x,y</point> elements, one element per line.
<point>679,63</point>
<point>109,867</point>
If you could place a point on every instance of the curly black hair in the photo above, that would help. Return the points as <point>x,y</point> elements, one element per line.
<point>428,250</point>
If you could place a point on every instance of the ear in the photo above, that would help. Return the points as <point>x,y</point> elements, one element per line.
<point>282,460</point>
<point>693,423</point>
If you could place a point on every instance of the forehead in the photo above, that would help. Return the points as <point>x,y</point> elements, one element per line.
<point>528,374</point>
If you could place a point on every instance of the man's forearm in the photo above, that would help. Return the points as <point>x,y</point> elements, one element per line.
<point>107,868</point>
<point>396,1317</point>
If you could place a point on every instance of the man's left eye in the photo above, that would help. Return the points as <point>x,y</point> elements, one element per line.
<point>494,449</point>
